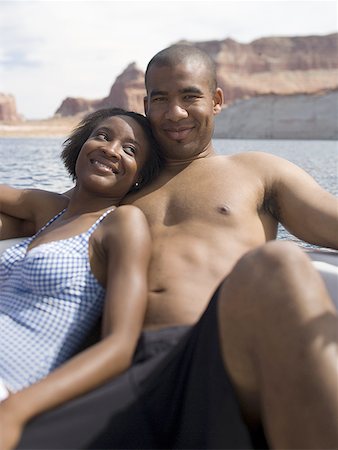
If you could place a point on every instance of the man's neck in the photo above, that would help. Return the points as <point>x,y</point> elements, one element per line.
<point>176,165</point>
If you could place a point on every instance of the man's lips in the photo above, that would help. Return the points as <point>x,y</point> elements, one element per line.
<point>178,134</point>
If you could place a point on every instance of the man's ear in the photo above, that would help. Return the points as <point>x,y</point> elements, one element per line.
<point>145,104</point>
<point>218,100</point>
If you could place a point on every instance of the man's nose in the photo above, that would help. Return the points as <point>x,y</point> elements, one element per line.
<point>176,112</point>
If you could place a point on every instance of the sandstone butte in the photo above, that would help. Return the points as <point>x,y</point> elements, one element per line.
<point>275,87</point>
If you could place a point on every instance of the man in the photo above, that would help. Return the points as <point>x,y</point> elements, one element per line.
<point>270,323</point>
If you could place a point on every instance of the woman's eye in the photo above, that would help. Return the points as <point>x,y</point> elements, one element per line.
<point>102,135</point>
<point>130,150</point>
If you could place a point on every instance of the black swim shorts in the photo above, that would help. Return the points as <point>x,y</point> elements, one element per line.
<point>176,395</point>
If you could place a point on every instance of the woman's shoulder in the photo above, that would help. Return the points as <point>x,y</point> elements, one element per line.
<point>47,206</point>
<point>127,213</point>
<point>125,220</point>
<point>126,227</point>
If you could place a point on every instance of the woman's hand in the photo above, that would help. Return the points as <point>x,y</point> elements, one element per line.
<point>11,426</point>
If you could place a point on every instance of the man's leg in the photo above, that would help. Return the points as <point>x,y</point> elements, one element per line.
<point>279,339</point>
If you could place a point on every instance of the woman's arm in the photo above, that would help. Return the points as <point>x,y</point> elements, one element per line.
<point>11,227</point>
<point>24,211</point>
<point>14,218</point>
<point>126,245</point>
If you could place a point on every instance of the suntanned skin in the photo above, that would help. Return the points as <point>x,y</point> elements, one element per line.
<point>199,237</point>
<point>210,217</point>
<point>11,227</point>
<point>205,211</point>
<point>119,250</point>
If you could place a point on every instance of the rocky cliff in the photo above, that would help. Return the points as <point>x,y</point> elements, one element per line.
<point>8,112</point>
<point>275,87</point>
<point>296,116</point>
<point>271,65</point>
<point>72,106</point>
<point>127,92</point>
<point>275,65</point>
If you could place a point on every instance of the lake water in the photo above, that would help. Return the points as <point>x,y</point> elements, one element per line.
<point>35,162</point>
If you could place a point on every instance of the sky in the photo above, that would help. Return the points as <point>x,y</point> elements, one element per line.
<point>53,49</point>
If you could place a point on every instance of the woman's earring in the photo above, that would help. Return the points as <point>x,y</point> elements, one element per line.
<point>136,185</point>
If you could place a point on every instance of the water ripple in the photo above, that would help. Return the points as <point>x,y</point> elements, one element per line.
<point>36,162</point>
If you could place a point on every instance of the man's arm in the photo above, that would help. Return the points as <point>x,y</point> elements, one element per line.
<point>294,198</point>
<point>298,202</point>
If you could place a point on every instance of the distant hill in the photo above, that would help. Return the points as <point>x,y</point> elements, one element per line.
<point>270,65</point>
<point>8,111</point>
<point>274,87</point>
<point>297,116</point>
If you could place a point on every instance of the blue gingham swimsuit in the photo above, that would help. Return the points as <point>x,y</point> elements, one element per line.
<point>49,300</point>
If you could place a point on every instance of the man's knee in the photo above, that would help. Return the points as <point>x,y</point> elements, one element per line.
<point>276,254</point>
<point>274,262</point>
<point>266,279</point>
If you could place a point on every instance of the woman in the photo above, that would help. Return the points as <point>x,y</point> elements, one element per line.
<point>86,256</point>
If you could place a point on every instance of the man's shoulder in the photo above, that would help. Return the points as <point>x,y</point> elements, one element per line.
<point>239,156</point>
<point>252,159</point>
<point>245,158</point>
<point>251,155</point>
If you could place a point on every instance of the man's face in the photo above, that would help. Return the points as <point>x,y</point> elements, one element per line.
<point>181,109</point>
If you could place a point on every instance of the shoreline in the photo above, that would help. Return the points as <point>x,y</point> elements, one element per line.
<point>61,127</point>
<point>55,127</point>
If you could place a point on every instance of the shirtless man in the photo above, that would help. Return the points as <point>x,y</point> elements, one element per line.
<point>211,218</point>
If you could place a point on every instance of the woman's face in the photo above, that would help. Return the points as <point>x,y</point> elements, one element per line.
<point>112,157</point>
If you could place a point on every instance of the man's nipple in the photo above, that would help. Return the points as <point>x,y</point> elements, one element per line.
<point>223,209</point>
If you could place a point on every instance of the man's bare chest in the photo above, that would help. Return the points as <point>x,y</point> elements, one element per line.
<point>200,198</point>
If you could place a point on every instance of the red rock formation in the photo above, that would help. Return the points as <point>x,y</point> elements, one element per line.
<point>8,112</point>
<point>271,65</point>
<point>275,65</point>
<point>72,106</point>
<point>128,90</point>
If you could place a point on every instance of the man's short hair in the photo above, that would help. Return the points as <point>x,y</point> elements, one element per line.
<point>176,54</point>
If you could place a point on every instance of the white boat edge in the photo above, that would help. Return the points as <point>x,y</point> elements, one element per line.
<point>324,260</point>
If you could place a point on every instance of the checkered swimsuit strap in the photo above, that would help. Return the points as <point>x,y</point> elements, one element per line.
<point>86,233</point>
<point>46,225</point>
<point>96,223</point>
<point>50,301</point>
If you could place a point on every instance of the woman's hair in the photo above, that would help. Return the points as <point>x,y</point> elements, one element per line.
<point>73,144</point>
